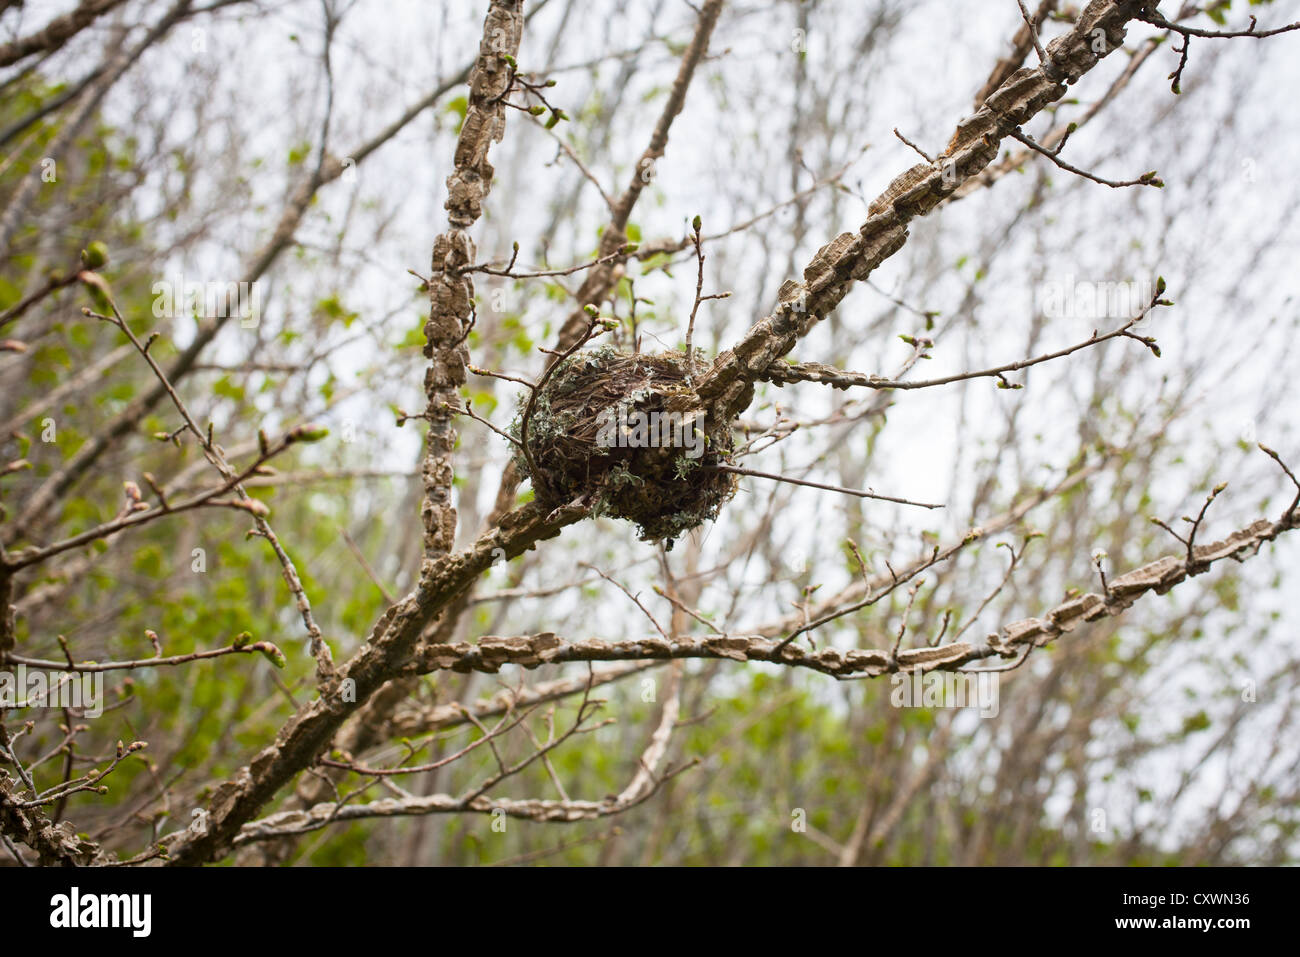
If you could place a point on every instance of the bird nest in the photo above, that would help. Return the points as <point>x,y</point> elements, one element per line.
<point>624,433</point>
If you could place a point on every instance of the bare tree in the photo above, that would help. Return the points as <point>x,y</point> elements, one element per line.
<point>606,613</point>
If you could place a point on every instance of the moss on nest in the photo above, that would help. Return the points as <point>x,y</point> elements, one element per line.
<point>624,432</point>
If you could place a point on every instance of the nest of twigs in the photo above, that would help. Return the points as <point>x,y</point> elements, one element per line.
<point>623,432</point>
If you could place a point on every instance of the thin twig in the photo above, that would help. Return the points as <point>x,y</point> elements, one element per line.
<point>827,488</point>
<point>1146,179</point>
<point>1033,32</point>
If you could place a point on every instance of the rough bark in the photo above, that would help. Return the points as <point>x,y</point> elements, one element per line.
<point>728,388</point>
<point>451,289</point>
